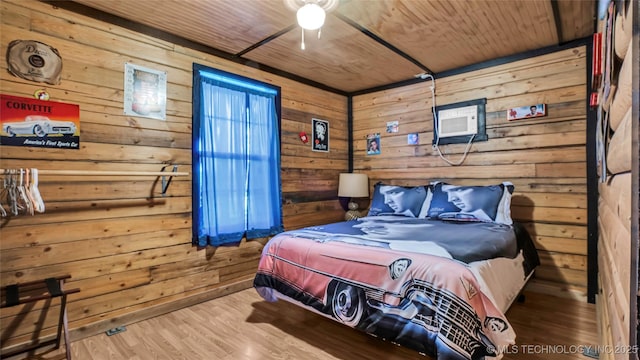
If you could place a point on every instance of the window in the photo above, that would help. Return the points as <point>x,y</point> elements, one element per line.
<point>236,158</point>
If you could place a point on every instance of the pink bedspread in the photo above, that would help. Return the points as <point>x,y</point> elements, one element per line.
<point>424,300</point>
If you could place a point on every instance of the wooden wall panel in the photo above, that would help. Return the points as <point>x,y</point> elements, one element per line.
<point>544,157</point>
<point>126,246</point>
<point>618,193</point>
<point>618,159</point>
<point>614,249</point>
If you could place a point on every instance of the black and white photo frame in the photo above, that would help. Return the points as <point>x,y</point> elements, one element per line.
<point>320,139</point>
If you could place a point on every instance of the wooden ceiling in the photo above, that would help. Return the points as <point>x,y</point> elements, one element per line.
<point>364,44</point>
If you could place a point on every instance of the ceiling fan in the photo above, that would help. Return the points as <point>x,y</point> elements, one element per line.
<point>311,14</point>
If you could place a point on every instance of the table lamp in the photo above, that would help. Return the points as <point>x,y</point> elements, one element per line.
<point>352,186</point>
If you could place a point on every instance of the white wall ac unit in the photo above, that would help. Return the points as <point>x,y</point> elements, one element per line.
<point>458,122</point>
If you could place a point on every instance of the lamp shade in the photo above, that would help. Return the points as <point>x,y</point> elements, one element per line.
<point>353,185</point>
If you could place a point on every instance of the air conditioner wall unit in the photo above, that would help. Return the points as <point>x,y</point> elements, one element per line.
<point>456,123</point>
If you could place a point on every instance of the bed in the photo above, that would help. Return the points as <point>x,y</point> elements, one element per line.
<point>423,269</point>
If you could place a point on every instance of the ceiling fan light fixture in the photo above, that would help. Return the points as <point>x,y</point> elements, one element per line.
<point>311,16</point>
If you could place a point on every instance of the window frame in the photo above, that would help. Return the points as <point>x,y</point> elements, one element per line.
<point>249,86</point>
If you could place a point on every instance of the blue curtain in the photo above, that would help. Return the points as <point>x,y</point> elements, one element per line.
<point>236,161</point>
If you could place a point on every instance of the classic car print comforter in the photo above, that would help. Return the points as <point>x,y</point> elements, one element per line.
<point>405,280</point>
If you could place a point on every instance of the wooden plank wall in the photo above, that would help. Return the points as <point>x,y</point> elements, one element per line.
<point>127,248</point>
<point>617,292</point>
<point>544,157</point>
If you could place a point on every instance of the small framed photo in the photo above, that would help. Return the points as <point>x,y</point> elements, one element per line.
<point>145,92</point>
<point>320,140</point>
<point>526,112</point>
<point>413,139</point>
<point>392,126</point>
<point>373,144</point>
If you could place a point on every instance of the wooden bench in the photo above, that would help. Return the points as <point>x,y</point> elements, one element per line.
<point>28,292</point>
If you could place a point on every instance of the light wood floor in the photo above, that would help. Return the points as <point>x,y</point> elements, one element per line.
<point>242,326</point>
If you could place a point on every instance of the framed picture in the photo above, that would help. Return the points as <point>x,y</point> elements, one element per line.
<point>320,140</point>
<point>413,139</point>
<point>392,126</point>
<point>526,112</point>
<point>145,92</point>
<point>373,144</point>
